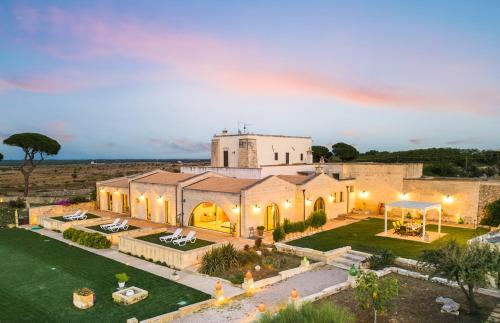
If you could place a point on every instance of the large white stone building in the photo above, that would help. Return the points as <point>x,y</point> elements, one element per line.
<point>271,178</point>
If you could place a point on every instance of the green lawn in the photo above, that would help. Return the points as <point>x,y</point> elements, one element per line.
<point>98,228</point>
<point>155,238</point>
<point>361,236</point>
<point>39,274</point>
<point>61,218</point>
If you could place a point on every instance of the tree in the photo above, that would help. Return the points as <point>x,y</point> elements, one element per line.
<point>374,293</point>
<point>1,156</point>
<point>469,266</point>
<point>492,217</point>
<point>320,151</point>
<point>344,151</point>
<point>33,145</point>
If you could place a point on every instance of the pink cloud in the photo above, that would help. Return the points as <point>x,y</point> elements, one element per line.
<point>82,37</point>
<point>59,131</point>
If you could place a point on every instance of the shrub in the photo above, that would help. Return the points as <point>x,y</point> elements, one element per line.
<point>78,199</point>
<point>492,217</point>
<point>246,248</point>
<point>246,257</point>
<point>292,227</point>
<point>374,293</point>
<point>93,240</point>
<point>219,259</point>
<point>326,312</point>
<point>18,203</point>
<point>381,259</point>
<point>122,277</point>
<point>237,278</point>
<point>279,234</point>
<point>317,219</point>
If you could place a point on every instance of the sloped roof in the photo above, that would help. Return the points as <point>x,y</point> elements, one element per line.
<point>119,182</point>
<point>297,179</point>
<point>164,178</point>
<point>222,184</point>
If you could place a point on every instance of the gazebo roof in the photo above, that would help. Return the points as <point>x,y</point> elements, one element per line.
<point>414,205</point>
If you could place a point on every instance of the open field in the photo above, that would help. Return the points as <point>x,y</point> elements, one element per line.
<point>71,178</point>
<point>361,236</point>
<point>39,275</point>
<point>416,303</point>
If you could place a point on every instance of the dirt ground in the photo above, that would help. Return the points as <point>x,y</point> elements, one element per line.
<point>416,304</point>
<point>73,179</point>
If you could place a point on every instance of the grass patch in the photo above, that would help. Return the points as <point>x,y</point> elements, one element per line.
<point>361,236</point>
<point>98,228</point>
<point>39,275</point>
<point>62,219</point>
<point>155,238</point>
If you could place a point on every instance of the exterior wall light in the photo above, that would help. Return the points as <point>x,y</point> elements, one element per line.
<point>116,192</point>
<point>141,197</point>
<point>236,209</point>
<point>308,201</point>
<point>448,199</point>
<point>159,199</point>
<point>256,208</point>
<point>102,190</point>
<point>330,198</point>
<point>288,203</point>
<point>405,196</point>
<point>363,194</point>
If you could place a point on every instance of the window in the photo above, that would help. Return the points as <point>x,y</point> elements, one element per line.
<point>166,215</point>
<point>110,201</point>
<point>124,203</point>
<point>287,158</point>
<point>336,176</point>
<point>275,156</point>
<point>341,197</point>
<point>335,197</point>
<point>301,157</point>
<point>319,205</point>
<point>351,189</point>
<point>148,209</point>
<point>226,158</point>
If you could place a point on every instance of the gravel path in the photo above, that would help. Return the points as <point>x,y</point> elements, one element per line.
<point>244,308</point>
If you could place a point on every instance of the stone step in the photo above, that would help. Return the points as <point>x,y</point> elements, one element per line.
<point>359,253</point>
<point>354,257</point>
<point>340,265</point>
<point>344,262</point>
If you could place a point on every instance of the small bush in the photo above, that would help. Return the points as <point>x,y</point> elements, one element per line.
<point>219,259</point>
<point>246,248</point>
<point>381,259</point>
<point>237,278</point>
<point>93,240</point>
<point>18,203</point>
<point>78,199</point>
<point>279,234</point>
<point>248,257</point>
<point>324,313</point>
<point>317,219</point>
<point>492,217</point>
<point>122,277</point>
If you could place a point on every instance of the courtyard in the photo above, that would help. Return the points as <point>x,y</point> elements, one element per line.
<point>39,275</point>
<point>362,236</point>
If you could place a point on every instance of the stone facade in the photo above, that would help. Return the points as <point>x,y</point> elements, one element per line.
<point>247,153</point>
<point>488,192</point>
<point>38,213</point>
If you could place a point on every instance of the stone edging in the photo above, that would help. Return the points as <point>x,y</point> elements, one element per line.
<point>182,311</point>
<point>285,274</point>
<point>324,256</point>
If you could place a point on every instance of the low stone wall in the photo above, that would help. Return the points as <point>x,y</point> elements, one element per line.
<point>172,257</point>
<point>53,224</point>
<point>285,274</point>
<point>116,237</point>
<point>36,213</point>
<point>183,311</point>
<point>324,256</point>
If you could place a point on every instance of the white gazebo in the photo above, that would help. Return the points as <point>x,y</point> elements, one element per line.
<point>414,205</point>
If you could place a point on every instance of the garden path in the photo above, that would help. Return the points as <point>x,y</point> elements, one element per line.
<point>203,283</point>
<point>244,308</point>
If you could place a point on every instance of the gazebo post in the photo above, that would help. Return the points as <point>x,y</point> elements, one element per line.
<point>439,223</point>
<point>385,218</point>
<point>423,228</point>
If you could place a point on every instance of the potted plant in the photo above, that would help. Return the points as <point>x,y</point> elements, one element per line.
<point>408,215</point>
<point>175,276</point>
<point>233,230</point>
<point>83,298</point>
<point>122,279</point>
<point>260,230</point>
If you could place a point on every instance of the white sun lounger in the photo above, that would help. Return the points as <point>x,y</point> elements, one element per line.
<point>68,216</point>
<point>81,216</point>
<point>189,238</point>
<point>115,223</point>
<point>171,237</point>
<point>122,226</point>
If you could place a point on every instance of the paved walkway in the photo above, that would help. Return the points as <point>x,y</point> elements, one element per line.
<point>203,283</point>
<point>244,308</point>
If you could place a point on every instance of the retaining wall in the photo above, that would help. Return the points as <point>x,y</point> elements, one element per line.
<point>36,213</point>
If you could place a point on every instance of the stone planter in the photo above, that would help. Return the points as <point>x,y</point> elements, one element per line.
<point>83,298</point>
<point>129,295</point>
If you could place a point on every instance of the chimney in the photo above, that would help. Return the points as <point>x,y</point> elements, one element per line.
<point>224,131</point>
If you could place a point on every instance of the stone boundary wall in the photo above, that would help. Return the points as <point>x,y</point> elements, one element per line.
<point>488,192</point>
<point>53,224</point>
<point>115,237</point>
<point>35,213</point>
<point>172,257</point>
<point>324,256</point>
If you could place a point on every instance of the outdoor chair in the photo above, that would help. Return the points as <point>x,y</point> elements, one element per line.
<point>189,238</point>
<point>69,216</point>
<point>122,226</point>
<point>81,216</point>
<point>396,227</point>
<point>171,237</point>
<point>115,223</point>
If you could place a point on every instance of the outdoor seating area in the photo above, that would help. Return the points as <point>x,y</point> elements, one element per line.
<point>114,227</point>
<point>410,228</point>
<point>78,215</point>
<point>176,240</point>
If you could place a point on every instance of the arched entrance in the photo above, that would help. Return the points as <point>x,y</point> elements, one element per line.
<point>208,215</point>
<point>272,217</point>
<point>319,205</point>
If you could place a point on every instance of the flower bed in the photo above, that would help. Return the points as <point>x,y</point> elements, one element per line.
<point>155,238</point>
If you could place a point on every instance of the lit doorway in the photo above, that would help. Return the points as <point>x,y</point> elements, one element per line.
<point>272,219</point>
<point>319,205</point>
<point>210,216</point>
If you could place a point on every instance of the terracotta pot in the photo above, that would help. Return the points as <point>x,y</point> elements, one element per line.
<point>83,302</point>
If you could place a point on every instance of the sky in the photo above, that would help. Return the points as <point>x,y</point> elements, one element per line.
<point>157,79</point>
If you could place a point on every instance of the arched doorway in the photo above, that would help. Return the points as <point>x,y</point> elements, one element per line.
<point>272,217</point>
<point>319,205</point>
<point>208,215</point>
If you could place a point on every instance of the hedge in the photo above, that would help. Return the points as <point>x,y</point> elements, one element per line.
<point>316,220</point>
<point>93,240</point>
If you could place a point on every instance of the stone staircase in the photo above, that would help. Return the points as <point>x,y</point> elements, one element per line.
<point>495,315</point>
<point>349,258</point>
